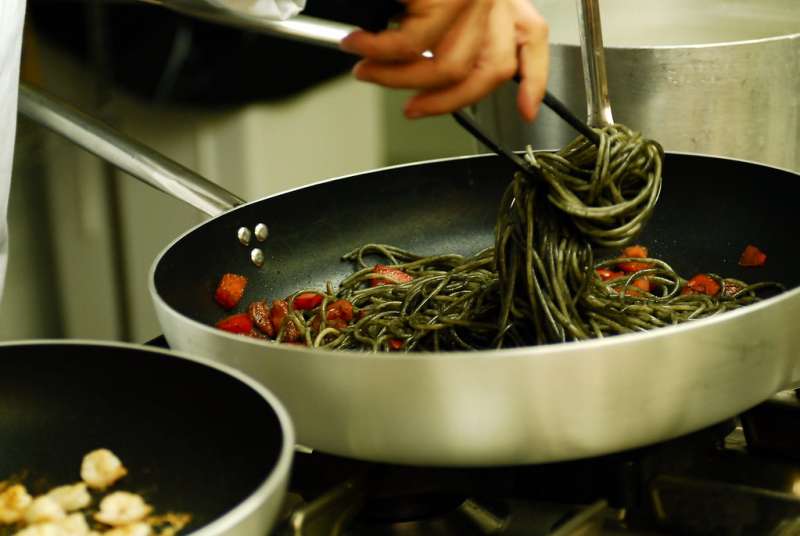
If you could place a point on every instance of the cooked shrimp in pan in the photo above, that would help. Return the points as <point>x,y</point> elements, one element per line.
<point>122,508</point>
<point>14,500</point>
<point>101,468</point>
<point>71,497</point>
<point>44,509</point>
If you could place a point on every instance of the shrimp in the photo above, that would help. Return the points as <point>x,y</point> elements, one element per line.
<point>13,502</point>
<point>44,509</point>
<point>135,529</point>
<point>74,525</point>
<point>71,497</point>
<point>101,468</point>
<point>122,508</point>
<point>43,529</point>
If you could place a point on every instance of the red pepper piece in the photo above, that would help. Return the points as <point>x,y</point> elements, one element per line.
<point>396,344</point>
<point>752,256</point>
<point>307,301</point>
<point>397,276</point>
<point>607,274</point>
<point>238,323</point>
<point>280,308</point>
<point>701,284</point>
<point>230,290</point>
<point>260,315</point>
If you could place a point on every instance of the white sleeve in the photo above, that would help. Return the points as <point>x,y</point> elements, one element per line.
<point>12,13</point>
<point>270,9</point>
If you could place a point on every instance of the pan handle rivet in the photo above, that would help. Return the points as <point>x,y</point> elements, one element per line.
<point>244,235</point>
<point>261,232</point>
<point>257,256</point>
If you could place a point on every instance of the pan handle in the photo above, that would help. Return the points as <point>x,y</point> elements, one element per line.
<point>301,28</point>
<point>129,155</point>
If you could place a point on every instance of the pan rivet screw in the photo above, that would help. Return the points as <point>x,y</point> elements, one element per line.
<point>261,232</point>
<point>257,256</point>
<point>244,235</point>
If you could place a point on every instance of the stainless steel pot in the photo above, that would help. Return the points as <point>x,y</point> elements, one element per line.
<point>717,77</point>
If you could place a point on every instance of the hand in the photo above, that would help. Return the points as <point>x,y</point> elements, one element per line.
<point>476,46</point>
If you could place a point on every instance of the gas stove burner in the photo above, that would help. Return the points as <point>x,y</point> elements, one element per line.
<point>405,508</point>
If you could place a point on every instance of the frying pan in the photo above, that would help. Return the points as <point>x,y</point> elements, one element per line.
<point>494,407</point>
<point>196,437</point>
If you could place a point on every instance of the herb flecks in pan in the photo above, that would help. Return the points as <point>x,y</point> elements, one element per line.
<point>539,283</point>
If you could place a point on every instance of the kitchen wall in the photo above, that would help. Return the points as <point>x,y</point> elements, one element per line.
<point>82,271</point>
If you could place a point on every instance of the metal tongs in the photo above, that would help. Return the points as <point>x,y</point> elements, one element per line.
<point>598,106</point>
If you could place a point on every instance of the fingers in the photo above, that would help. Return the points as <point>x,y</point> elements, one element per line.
<point>453,59</point>
<point>476,45</point>
<point>496,64</point>
<point>422,27</point>
<point>534,51</point>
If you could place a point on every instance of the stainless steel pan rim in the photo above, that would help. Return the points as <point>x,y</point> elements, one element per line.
<point>509,353</point>
<point>525,352</point>
<point>280,473</point>
<point>721,44</point>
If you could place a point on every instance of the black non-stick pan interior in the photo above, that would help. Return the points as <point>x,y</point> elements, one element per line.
<point>194,440</point>
<point>710,209</point>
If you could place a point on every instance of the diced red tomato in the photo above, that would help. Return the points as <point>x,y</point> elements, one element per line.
<point>637,286</point>
<point>280,308</point>
<point>701,284</point>
<point>637,252</point>
<point>752,256</point>
<point>395,344</point>
<point>230,290</point>
<point>397,276</point>
<point>307,301</point>
<point>607,274</point>
<point>642,283</point>
<point>257,334</point>
<point>260,315</point>
<point>338,315</point>
<point>634,266</point>
<point>278,312</point>
<point>238,323</point>
<point>340,309</point>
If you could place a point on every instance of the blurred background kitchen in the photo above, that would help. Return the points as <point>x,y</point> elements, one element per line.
<point>260,114</point>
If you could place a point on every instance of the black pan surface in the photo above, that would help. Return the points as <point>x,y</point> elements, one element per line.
<point>194,439</point>
<point>710,209</point>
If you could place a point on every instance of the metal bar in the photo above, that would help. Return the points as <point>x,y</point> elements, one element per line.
<point>301,28</point>
<point>594,64</point>
<point>129,155</point>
